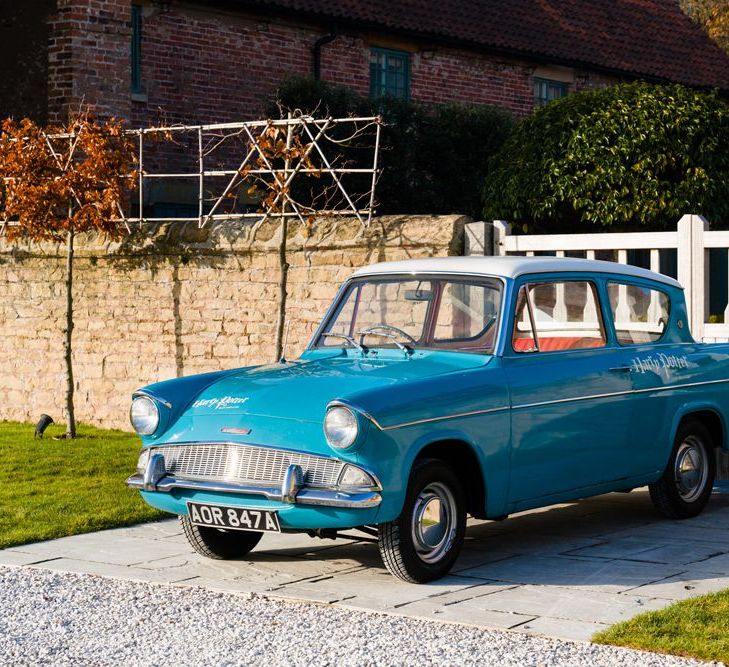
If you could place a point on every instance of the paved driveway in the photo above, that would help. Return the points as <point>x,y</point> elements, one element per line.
<point>565,571</point>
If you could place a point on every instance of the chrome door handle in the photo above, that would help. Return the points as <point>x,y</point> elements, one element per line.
<point>621,369</point>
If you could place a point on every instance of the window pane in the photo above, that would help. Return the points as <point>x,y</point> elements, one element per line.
<point>442,313</point>
<point>466,312</point>
<point>389,73</point>
<point>546,90</point>
<point>522,339</point>
<point>390,303</point>
<point>566,317</point>
<point>640,314</point>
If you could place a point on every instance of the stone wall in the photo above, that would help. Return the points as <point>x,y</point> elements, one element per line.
<point>176,302</point>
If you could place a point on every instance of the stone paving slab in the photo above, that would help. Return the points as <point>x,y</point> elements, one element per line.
<point>565,571</point>
<point>105,547</point>
<point>467,613</point>
<point>683,586</point>
<point>608,576</point>
<point>559,627</point>
<point>567,603</point>
<point>112,570</point>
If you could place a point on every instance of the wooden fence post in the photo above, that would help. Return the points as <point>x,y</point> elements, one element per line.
<point>692,269</point>
<point>502,229</point>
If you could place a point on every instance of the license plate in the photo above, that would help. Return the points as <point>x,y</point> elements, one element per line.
<point>233,518</point>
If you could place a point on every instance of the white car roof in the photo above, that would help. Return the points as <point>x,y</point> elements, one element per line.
<point>509,267</point>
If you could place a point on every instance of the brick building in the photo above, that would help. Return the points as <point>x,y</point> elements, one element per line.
<point>182,61</point>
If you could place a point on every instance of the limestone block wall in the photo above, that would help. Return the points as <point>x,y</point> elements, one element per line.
<point>175,301</point>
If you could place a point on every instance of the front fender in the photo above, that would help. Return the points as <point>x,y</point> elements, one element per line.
<point>393,453</point>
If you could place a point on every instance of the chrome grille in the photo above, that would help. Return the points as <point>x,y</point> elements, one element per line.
<point>246,464</point>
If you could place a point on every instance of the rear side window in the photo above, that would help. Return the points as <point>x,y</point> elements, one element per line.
<point>554,316</point>
<point>640,314</point>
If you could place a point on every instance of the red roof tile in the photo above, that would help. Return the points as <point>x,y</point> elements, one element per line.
<point>644,38</point>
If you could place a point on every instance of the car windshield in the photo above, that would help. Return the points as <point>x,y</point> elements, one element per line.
<point>432,312</point>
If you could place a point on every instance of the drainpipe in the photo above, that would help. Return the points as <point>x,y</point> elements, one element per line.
<point>316,51</point>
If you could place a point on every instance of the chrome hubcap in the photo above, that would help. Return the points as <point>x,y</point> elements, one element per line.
<point>691,469</point>
<point>434,522</point>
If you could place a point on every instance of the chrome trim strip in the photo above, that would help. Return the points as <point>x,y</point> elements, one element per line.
<point>455,416</point>
<point>149,394</point>
<point>573,399</point>
<point>647,390</point>
<point>352,406</point>
<point>357,498</point>
<point>540,403</point>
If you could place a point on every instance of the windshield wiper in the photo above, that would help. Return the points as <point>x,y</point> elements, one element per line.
<point>349,339</point>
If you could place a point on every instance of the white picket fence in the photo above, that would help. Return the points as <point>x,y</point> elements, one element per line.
<point>691,240</point>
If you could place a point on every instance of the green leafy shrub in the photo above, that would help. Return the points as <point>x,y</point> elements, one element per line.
<point>633,154</point>
<point>434,159</point>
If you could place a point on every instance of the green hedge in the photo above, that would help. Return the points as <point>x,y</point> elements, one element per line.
<point>626,156</point>
<point>434,159</point>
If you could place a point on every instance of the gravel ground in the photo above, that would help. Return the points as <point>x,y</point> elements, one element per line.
<point>71,619</point>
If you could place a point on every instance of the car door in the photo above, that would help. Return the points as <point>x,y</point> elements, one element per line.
<point>570,393</point>
<point>641,314</point>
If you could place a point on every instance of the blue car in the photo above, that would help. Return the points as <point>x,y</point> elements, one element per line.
<point>438,388</point>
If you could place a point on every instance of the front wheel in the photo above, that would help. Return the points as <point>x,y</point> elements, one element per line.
<point>424,542</point>
<point>219,544</point>
<point>686,485</point>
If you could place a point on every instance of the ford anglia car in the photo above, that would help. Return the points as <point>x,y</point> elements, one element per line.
<point>438,388</point>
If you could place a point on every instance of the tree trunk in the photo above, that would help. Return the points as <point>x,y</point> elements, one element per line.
<point>67,349</point>
<point>283,266</point>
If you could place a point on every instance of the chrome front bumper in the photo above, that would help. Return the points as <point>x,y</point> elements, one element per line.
<point>155,478</point>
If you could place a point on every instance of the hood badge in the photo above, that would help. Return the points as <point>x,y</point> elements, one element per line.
<point>236,431</point>
<point>223,403</point>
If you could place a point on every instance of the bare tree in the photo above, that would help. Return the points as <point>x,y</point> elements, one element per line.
<point>59,182</point>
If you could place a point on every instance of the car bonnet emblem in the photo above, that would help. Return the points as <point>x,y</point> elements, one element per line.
<point>236,431</point>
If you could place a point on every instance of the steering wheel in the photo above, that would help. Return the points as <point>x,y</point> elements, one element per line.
<point>387,331</point>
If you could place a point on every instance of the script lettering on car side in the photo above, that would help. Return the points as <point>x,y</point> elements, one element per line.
<point>658,362</point>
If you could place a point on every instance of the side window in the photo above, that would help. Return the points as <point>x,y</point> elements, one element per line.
<point>640,314</point>
<point>466,311</point>
<point>555,316</point>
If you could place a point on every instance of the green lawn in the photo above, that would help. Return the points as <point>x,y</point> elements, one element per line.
<point>698,627</point>
<point>51,488</point>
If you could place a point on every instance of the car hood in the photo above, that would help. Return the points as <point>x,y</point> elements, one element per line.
<point>302,389</point>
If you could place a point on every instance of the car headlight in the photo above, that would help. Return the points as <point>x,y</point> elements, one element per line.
<point>144,415</point>
<point>340,427</point>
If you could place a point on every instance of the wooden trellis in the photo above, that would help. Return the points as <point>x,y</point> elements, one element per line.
<point>271,155</point>
<point>311,147</point>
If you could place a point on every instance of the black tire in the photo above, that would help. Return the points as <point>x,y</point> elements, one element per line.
<point>679,495</point>
<point>219,544</point>
<point>406,558</point>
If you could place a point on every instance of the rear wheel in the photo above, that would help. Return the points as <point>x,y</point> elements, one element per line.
<point>685,487</point>
<point>424,542</point>
<point>219,544</point>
